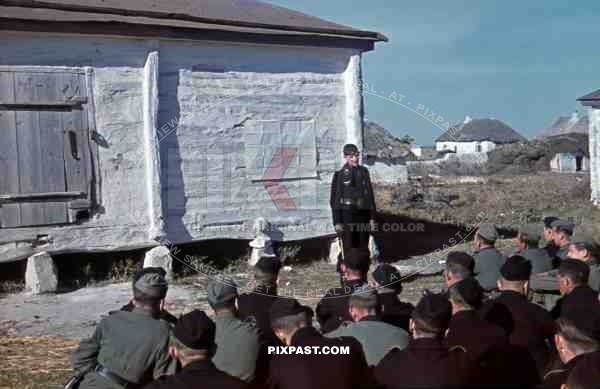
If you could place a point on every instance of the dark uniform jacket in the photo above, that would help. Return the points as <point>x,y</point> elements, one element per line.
<point>551,249</point>
<point>580,297</point>
<point>594,280</point>
<point>541,262</point>
<point>331,371</point>
<point>425,363</point>
<point>556,377</point>
<point>488,262</point>
<point>474,334</point>
<point>394,311</point>
<point>533,326</point>
<point>255,307</point>
<point>198,375</point>
<point>132,345</point>
<point>332,310</point>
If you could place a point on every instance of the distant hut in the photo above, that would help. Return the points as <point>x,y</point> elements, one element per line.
<point>574,124</point>
<point>477,136</point>
<point>385,155</point>
<point>131,124</point>
<point>592,101</point>
<point>569,153</point>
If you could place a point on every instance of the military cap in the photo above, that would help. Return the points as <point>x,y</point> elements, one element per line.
<point>575,267</point>
<point>548,220</point>
<point>350,149</point>
<point>488,232</point>
<point>358,259</point>
<point>470,291</point>
<point>532,232</point>
<point>150,283</point>
<point>516,268</point>
<point>388,276</point>
<point>563,226</point>
<point>195,330</point>
<point>435,310</point>
<point>221,291</point>
<point>461,258</point>
<point>283,307</point>
<point>586,373</point>
<point>587,242</point>
<point>269,265</point>
<point>585,319</point>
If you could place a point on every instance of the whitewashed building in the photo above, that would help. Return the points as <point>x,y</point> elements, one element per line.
<point>132,123</point>
<point>592,101</point>
<point>476,136</point>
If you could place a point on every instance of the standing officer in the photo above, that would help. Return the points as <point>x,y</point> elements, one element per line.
<point>128,349</point>
<point>352,202</point>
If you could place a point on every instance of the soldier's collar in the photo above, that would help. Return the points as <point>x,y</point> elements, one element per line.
<point>145,312</point>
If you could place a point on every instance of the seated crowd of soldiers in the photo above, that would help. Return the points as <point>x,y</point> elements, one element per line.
<point>482,330</point>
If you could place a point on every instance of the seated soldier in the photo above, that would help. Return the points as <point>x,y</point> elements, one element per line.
<point>128,349</point>
<point>193,345</point>
<point>563,230</point>
<point>584,250</point>
<point>163,314</point>
<point>332,310</point>
<point>533,327</point>
<point>578,335</point>
<point>389,286</point>
<point>375,336</point>
<point>426,362</point>
<point>232,334</point>
<point>459,265</point>
<point>573,285</point>
<point>550,248</point>
<point>315,365</point>
<point>488,259</point>
<point>466,329</point>
<point>527,241</point>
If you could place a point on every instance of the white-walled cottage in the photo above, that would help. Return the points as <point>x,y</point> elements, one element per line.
<point>592,101</point>
<point>130,123</point>
<point>477,136</point>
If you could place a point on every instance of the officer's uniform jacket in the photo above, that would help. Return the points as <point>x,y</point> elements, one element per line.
<point>488,262</point>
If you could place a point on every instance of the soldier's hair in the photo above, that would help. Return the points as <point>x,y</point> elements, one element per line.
<point>366,301</point>
<point>264,278</point>
<point>579,343</point>
<point>530,240</point>
<point>577,277</point>
<point>427,327</point>
<point>458,270</point>
<point>580,246</point>
<point>290,323</point>
<point>455,297</point>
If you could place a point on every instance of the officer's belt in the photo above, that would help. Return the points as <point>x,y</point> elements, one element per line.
<point>104,372</point>
<point>351,201</point>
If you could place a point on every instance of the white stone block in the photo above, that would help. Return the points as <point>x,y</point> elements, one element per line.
<point>160,257</point>
<point>40,276</point>
<point>335,249</point>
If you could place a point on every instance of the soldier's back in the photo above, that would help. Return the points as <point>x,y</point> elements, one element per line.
<point>131,345</point>
<point>394,311</point>
<point>332,310</point>
<point>541,262</point>
<point>425,363</point>
<point>488,262</point>
<point>255,307</point>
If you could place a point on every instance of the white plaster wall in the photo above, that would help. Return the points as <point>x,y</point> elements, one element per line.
<point>594,138</point>
<point>217,90</point>
<point>465,147</point>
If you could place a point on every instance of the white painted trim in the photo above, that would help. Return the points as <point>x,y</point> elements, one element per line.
<point>354,103</point>
<point>42,69</point>
<point>151,147</point>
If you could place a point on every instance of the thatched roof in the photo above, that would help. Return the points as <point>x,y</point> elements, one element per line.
<point>567,125</point>
<point>569,143</point>
<point>479,130</point>
<point>379,143</point>
<point>591,99</point>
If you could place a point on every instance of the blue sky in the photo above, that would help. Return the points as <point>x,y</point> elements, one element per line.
<point>524,62</point>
